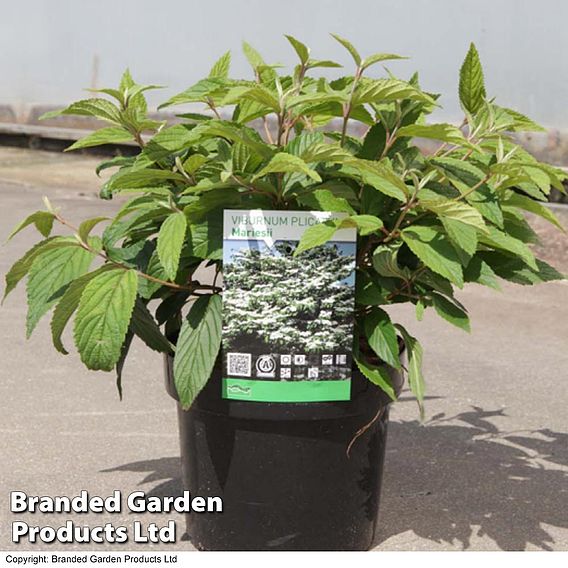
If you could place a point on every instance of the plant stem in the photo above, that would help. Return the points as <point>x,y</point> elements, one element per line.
<point>106,258</point>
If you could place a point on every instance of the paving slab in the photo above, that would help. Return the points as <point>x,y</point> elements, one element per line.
<point>487,470</point>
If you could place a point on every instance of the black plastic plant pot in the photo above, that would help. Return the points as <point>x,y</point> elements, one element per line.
<point>283,470</point>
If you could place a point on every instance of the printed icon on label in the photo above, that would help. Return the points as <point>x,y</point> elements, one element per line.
<point>265,366</point>
<point>239,364</point>
<point>299,359</point>
<point>285,360</point>
<point>286,373</point>
<point>341,359</point>
<point>327,359</point>
<point>313,373</point>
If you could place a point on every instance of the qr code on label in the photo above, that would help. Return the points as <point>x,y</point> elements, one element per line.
<point>239,364</point>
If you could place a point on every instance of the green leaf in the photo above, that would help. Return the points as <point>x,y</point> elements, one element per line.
<point>463,237</point>
<point>170,243</point>
<point>349,47</point>
<point>385,262</point>
<point>378,376</point>
<point>415,376</point>
<point>522,123</point>
<point>87,226</point>
<point>378,175</point>
<point>480,272</point>
<point>457,211</point>
<point>386,90</point>
<point>146,328</point>
<point>500,240</point>
<point>515,270</point>
<point>317,235</point>
<point>109,135</point>
<point>252,55</point>
<point>381,336</point>
<point>197,348</point>
<point>435,251</point>
<point>205,239</point>
<point>22,266</point>
<point>325,200</point>
<point>287,163</point>
<point>451,312</point>
<point>221,67</point>
<point>472,86</point>
<point>43,221</point>
<point>443,132</point>
<point>103,317</point>
<point>374,142</point>
<point>365,224</point>
<point>49,275</point>
<point>68,304</point>
<point>302,50</point>
<point>535,207</point>
<point>378,58</point>
<point>313,63</point>
<point>98,108</point>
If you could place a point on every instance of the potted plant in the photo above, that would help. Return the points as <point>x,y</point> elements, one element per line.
<point>293,475</point>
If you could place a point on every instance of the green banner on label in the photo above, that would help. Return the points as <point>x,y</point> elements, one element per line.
<point>286,391</point>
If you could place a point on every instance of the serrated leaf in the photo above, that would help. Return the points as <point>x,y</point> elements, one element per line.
<point>377,175</point>
<point>415,376</point>
<point>381,336</point>
<point>385,262</point>
<point>221,66</point>
<point>103,317</point>
<point>443,132</point>
<point>457,211</point>
<point>146,328</point>
<point>500,240</point>
<point>472,86</point>
<point>528,204</point>
<point>43,221</point>
<point>109,135</point>
<point>386,90</point>
<point>479,272</point>
<point>374,142</point>
<point>287,163</point>
<point>98,108</point>
<point>349,47</point>
<point>313,63</point>
<point>87,226</point>
<point>22,266</point>
<point>205,239</point>
<point>463,237</point>
<point>365,224</point>
<point>170,242</point>
<point>515,270</point>
<point>451,312</point>
<point>378,58</point>
<point>522,123</point>
<point>252,55</point>
<point>302,50</point>
<point>67,305</point>
<point>317,235</point>
<point>434,249</point>
<point>378,376</point>
<point>49,275</point>
<point>197,348</point>
<point>325,200</point>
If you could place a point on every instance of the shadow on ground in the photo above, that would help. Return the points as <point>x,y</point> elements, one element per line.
<point>453,478</point>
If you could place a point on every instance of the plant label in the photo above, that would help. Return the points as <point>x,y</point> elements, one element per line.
<point>287,319</point>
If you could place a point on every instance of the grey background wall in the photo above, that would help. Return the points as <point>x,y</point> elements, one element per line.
<point>54,48</point>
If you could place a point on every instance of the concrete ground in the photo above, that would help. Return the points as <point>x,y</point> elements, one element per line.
<point>488,470</point>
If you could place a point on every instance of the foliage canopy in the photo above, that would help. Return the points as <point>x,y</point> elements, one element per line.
<point>427,224</point>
